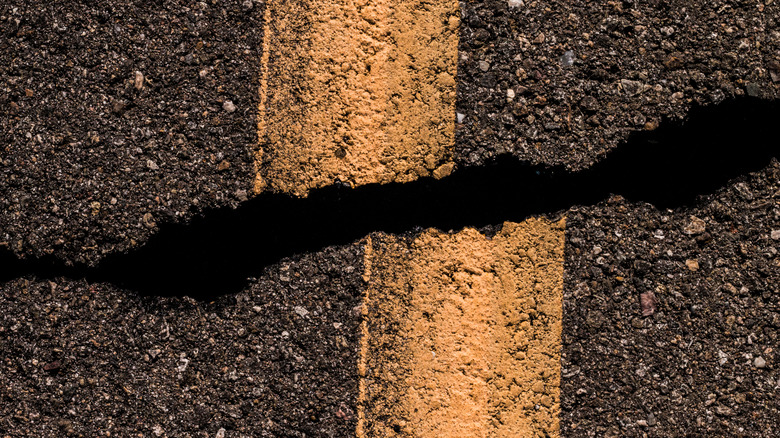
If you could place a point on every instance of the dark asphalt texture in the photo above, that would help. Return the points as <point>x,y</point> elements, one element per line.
<point>584,74</point>
<point>706,362</point>
<point>95,157</point>
<point>114,121</point>
<point>276,360</point>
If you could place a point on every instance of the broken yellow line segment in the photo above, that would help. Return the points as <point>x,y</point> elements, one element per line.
<point>357,92</point>
<point>462,333</point>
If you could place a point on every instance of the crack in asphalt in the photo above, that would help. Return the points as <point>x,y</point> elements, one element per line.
<point>219,251</point>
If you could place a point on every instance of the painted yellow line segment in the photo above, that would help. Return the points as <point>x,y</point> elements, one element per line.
<point>462,334</point>
<point>356,91</point>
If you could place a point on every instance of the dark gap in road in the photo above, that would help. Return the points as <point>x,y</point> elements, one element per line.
<point>216,253</point>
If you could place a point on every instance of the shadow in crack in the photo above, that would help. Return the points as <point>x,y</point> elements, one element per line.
<point>215,253</point>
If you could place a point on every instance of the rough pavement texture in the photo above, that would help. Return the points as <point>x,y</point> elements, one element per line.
<point>276,360</point>
<point>115,118</point>
<point>563,82</point>
<point>110,127</point>
<point>462,333</point>
<point>704,362</point>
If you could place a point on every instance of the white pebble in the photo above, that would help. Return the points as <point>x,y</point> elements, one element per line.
<point>139,80</point>
<point>229,106</point>
<point>510,94</point>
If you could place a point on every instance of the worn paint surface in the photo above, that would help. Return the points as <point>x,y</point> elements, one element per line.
<point>356,91</point>
<point>462,333</point>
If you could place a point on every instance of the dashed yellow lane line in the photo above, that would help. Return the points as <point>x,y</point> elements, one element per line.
<point>356,91</point>
<point>462,334</point>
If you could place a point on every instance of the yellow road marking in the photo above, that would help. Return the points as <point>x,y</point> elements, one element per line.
<point>462,334</point>
<point>356,91</point>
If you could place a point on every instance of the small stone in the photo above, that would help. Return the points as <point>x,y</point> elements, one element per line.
<point>65,425</point>
<point>695,226</point>
<point>515,3</point>
<point>301,311</point>
<point>631,88</point>
<point>775,234</point>
<point>460,118</point>
<point>567,60</point>
<point>539,39</point>
<point>158,431</point>
<point>223,165</point>
<point>443,170</point>
<point>152,165</point>
<point>759,362</point>
<point>139,81</point>
<point>242,195</point>
<point>774,70</point>
<point>229,106</point>
<point>651,421</point>
<point>247,5</point>
<point>693,265</point>
<point>148,220</point>
<point>744,191</point>
<point>52,366</point>
<point>118,107</point>
<point>647,302</point>
<point>589,104</point>
<point>221,433</point>
<point>183,363</point>
<point>510,94</point>
<point>484,65</point>
<point>724,411</point>
<point>753,89</point>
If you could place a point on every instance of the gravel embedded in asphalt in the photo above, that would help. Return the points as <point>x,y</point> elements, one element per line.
<point>705,361</point>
